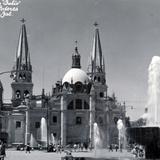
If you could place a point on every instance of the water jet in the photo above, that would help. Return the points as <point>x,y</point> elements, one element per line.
<point>43,132</point>
<point>148,135</point>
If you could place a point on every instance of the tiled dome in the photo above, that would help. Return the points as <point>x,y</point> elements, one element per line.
<point>75,75</point>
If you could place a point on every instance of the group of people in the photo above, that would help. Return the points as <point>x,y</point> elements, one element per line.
<point>22,147</point>
<point>138,151</point>
<point>112,147</point>
<point>55,148</point>
<point>80,147</point>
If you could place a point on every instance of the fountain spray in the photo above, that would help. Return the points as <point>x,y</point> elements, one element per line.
<point>154,91</point>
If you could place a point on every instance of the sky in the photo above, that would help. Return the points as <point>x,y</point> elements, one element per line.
<point>129,33</point>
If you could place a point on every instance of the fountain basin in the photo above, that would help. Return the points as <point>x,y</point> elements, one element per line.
<point>148,137</point>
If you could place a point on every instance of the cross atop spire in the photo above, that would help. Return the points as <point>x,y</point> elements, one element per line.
<point>23,20</point>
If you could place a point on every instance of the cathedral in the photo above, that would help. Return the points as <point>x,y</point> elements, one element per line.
<point>77,103</point>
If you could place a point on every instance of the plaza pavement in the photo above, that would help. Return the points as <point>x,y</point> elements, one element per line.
<point>43,155</point>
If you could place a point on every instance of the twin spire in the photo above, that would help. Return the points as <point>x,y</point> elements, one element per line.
<point>22,69</point>
<point>22,55</point>
<point>97,59</point>
<point>23,62</point>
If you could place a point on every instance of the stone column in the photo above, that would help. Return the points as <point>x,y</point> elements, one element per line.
<point>9,128</point>
<point>91,119</point>
<point>27,127</point>
<point>63,121</point>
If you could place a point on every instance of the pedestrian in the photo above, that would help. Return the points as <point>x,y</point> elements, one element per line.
<point>121,147</point>
<point>59,148</point>
<point>28,148</point>
<point>3,150</point>
<point>110,148</point>
<point>116,147</point>
<point>75,147</point>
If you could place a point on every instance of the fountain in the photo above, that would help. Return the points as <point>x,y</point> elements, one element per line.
<point>97,139</point>
<point>149,135</point>
<point>120,127</point>
<point>33,142</point>
<point>43,132</point>
<point>52,139</point>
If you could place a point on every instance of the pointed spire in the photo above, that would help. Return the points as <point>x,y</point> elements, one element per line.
<point>97,58</point>
<point>76,58</point>
<point>23,62</point>
<point>22,55</point>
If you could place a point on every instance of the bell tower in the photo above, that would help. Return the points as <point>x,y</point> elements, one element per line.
<point>21,74</point>
<point>98,93</point>
<point>96,67</point>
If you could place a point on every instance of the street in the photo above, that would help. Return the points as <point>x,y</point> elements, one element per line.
<point>43,155</point>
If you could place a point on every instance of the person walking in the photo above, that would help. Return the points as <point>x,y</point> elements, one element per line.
<point>110,148</point>
<point>116,147</point>
<point>28,148</point>
<point>2,150</point>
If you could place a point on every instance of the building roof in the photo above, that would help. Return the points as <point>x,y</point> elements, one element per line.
<point>75,75</point>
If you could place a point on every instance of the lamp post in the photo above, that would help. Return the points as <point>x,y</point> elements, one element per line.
<point>47,116</point>
<point>27,134</point>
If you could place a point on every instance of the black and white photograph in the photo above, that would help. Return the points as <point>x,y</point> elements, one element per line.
<point>79,79</point>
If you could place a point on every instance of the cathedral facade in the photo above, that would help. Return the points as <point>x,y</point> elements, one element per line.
<point>78,107</point>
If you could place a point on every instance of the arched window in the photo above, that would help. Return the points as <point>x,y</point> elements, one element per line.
<point>78,120</point>
<point>78,104</point>
<point>54,119</point>
<point>24,77</point>
<point>101,94</point>
<point>95,78</point>
<point>20,76</point>
<point>78,86</point>
<point>18,94</point>
<point>26,94</point>
<point>65,85</point>
<point>99,79</point>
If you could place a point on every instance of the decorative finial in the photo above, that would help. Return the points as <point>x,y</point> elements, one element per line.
<point>76,46</point>
<point>95,24</point>
<point>22,20</point>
